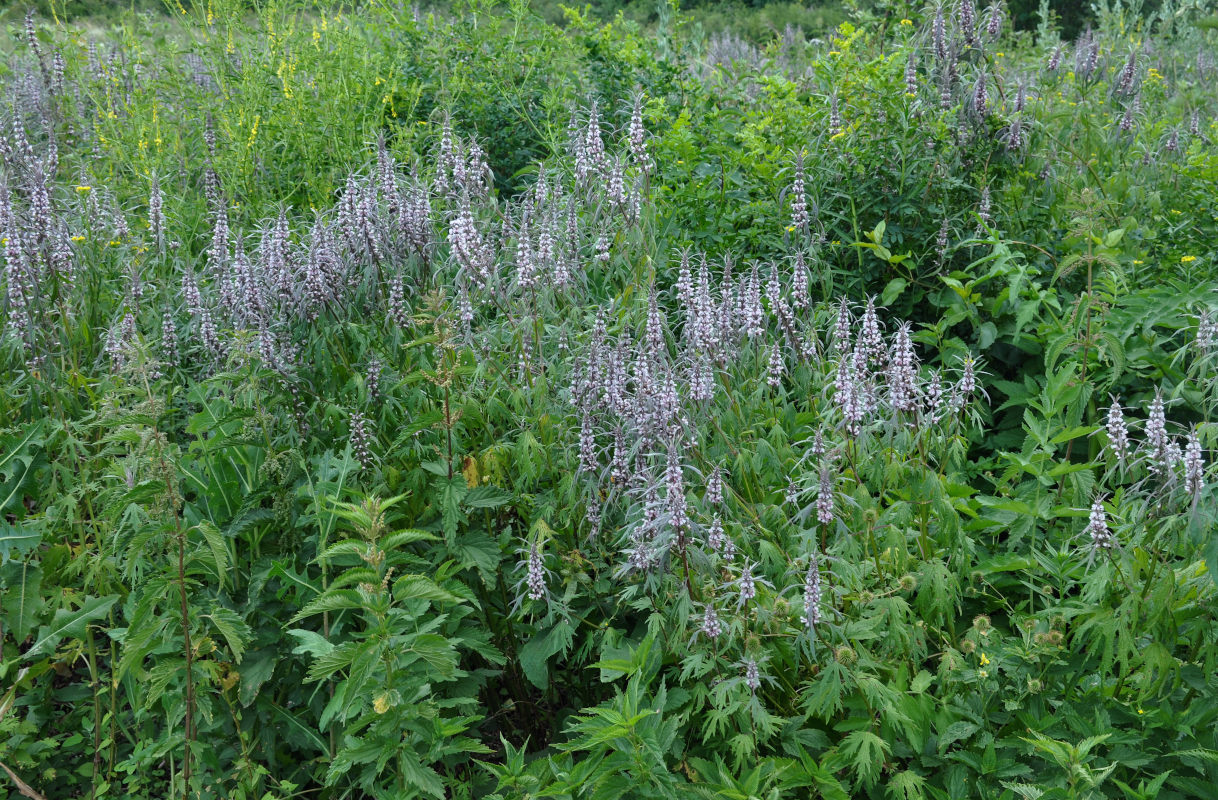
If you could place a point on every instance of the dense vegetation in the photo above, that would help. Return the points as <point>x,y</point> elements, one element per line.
<point>456,404</point>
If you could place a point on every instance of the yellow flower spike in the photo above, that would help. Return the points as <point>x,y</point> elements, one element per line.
<point>84,189</point>
<point>1187,259</point>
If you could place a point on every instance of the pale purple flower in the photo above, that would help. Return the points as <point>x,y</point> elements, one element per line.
<point>1194,465</point>
<point>1097,526</point>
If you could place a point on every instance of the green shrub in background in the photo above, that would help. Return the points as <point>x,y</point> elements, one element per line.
<point>407,402</point>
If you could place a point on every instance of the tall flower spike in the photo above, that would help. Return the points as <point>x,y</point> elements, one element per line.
<point>799,196</point>
<point>1156,442</point>
<point>638,136</point>
<point>812,595</point>
<point>360,439</point>
<point>746,585</point>
<point>1097,526</point>
<point>712,627</point>
<point>870,340</point>
<point>903,372</point>
<point>674,480</point>
<point>752,675</point>
<point>536,577</point>
<point>841,329</point>
<point>777,368</point>
<point>1194,465</point>
<point>714,487</point>
<point>1118,432</point>
<point>715,537</point>
<point>824,497</point>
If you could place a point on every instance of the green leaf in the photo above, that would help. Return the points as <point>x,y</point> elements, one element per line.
<point>256,670</point>
<point>866,753</point>
<point>311,642</point>
<point>534,655</point>
<point>20,598</point>
<point>486,497</point>
<point>417,586</point>
<point>230,626</point>
<point>893,290</point>
<point>69,623</point>
<point>18,539</point>
<point>956,732</point>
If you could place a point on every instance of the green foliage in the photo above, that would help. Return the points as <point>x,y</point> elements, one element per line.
<point>470,401</point>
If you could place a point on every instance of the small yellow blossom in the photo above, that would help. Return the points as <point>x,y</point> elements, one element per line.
<point>907,22</point>
<point>83,189</point>
<point>1140,711</point>
<point>1187,259</point>
<point>421,122</point>
<point>78,238</point>
<point>1138,261</point>
<point>1000,54</point>
<point>985,660</point>
<point>837,135</point>
<point>835,52</point>
<point>114,243</point>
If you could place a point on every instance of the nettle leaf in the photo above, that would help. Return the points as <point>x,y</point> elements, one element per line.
<point>233,628</point>
<point>332,600</point>
<point>486,497</point>
<point>417,586</point>
<point>957,731</point>
<point>437,651</point>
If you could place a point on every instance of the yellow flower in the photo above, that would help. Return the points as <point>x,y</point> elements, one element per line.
<point>1138,261</point>
<point>790,228</point>
<point>421,122</point>
<point>985,660</point>
<point>78,238</point>
<point>1140,711</point>
<point>114,242</point>
<point>837,135</point>
<point>835,52</point>
<point>1000,54</point>
<point>907,22</point>
<point>1187,259</point>
<point>83,189</point>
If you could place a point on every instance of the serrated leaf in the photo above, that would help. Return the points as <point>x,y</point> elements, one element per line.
<point>418,586</point>
<point>866,753</point>
<point>486,497</point>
